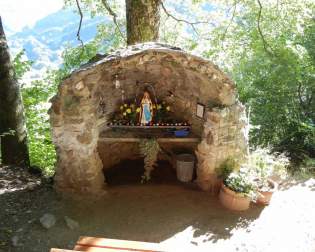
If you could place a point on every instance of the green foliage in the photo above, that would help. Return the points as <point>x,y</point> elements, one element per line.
<point>20,65</point>
<point>241,182</point>
<point>149,149</point>
<point>228,166</point>
<point>263,165</point>
<point>308,166</point>
<point>35,96</point>
<point>41,149</point>
<point>108,33</point>
<point>274,71</point>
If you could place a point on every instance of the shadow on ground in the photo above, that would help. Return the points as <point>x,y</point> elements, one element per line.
<point>153,212</point>
<point>304,182</point>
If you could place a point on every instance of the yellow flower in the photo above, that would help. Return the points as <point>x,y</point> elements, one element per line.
<point>121,107</point>
<point>124,113</point>
<point>168,108</point>
<point>128,110</point>
<point>125,105</point>
<point>153,106</point>
<point>138,110</point>
<point>159,106</point>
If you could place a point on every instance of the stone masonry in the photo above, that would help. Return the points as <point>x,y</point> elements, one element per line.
<point>224,136</point>
<point>88,97</point>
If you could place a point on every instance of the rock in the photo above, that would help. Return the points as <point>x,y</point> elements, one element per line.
<point>15,241</point>
<point>72,224</point>
<point>48,220</point>
<point>31,186</point>
<point>224,137</point>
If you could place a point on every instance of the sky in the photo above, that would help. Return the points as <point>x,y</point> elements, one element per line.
<point>19,13</point>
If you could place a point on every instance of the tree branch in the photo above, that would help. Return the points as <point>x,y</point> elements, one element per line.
<point>267,47</point>
<point>192,24</point>
<point>80,24</point>
<point>231,20</point>
<point>305,105</point>
<point>114,15</point>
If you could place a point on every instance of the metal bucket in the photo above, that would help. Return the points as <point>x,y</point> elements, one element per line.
<point>185,167</point>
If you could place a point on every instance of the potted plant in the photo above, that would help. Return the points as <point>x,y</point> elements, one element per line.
<point>265,188</point>
<point>265,168</point>
<point>223,171</point>
<point>237,190</point>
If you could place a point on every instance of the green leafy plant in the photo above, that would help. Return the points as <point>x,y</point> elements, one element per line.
<point>274,73</point>
<point>264,165</point>
<point>21,65</point>
<point>41,149</point>
<point>161,112</point>
<point>128,113</point>
<point>241,182</point>
<point>149,149</point>
<point>228,166</point>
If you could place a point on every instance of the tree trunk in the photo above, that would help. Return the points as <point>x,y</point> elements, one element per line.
<point>143,20</point>
<point>14,149</point>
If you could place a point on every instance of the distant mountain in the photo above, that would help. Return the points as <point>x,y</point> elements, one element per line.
<point>45,41</point>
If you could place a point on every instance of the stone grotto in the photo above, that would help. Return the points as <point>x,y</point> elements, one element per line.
<point>199,96</point>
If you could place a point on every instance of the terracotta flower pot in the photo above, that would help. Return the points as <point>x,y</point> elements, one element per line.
<point>264,197</point>
<point>233,200</point>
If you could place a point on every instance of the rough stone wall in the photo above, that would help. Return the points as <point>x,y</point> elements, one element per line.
<point>225,135</point>
<point>75,134</point>
<point>87,98</point>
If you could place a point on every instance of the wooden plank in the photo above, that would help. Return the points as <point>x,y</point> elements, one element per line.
<point>88,243</point>
<point>120,139</point>
<point>99,249</point>
<point>160,140</point>
<point>63,250</point>
<point>179,140</point>
<point>149,127</point>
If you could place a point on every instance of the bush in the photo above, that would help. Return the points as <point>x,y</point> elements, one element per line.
<point>264,164</point>
<point>41,150</point>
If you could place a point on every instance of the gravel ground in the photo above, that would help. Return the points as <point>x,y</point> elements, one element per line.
<point>179,216</point>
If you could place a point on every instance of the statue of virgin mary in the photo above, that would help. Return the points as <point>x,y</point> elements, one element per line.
<point>146,113</point>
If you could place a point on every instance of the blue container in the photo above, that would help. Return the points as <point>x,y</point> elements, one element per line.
<point>181,133</point>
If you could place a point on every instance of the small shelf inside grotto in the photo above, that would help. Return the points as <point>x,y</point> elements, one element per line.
<point>162,136</point>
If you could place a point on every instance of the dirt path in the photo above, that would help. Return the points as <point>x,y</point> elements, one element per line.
<point>180,217</point>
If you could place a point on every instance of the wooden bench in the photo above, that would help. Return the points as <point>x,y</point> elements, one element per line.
<point>94,244</point>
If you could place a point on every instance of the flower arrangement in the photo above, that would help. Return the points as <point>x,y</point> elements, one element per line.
<point>241,182</point>
<point>129,113</point>
<point>161,111</point>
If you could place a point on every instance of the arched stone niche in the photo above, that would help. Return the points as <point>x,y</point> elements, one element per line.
<point>87,98</point>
